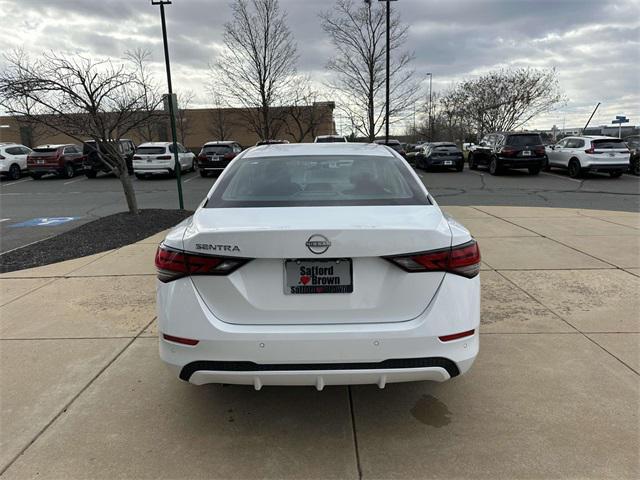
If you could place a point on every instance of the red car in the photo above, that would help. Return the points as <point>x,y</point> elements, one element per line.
<point>65,160</point>
<point>215,156</point>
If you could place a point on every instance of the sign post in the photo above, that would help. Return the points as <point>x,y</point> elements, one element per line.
<point>620,119</point>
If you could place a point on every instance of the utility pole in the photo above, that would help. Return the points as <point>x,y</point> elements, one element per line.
<point>430,122</point>
<point>177,166</point>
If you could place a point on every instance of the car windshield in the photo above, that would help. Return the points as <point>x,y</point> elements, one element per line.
<point>317,181</point>
<point>608,144</point>
<point>45,150</point>
<point>446,146</point>
<point>523,140</point>
<point>330,139</point>
<point>216,149</point>
<point>151,150</point>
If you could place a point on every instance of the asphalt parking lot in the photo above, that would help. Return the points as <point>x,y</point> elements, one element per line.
<point>66,203</point>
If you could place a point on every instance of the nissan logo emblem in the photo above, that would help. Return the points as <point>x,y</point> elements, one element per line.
<point>318,244</point>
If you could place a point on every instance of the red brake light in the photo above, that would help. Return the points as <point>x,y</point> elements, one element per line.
<point>507,151</point>
<point>461,260</point>
<point>202,156</point>
<point>173,264</point>
<point>456,336</point>
<point>184,341</point>
<point>539,151</point>
<point>164,157</point>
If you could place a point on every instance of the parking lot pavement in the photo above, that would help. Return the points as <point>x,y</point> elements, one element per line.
<point>554,392</point>
<point>83,200</point>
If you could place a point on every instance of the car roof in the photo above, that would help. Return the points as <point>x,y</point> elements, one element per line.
<point>221,142</point>
<point>155,144</point>
<point>594,137</point>
<point>312,149</point>
<point>56,145</point>
<point>443,143</point>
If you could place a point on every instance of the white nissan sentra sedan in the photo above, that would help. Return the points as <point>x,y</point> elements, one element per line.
<point>318,264</point>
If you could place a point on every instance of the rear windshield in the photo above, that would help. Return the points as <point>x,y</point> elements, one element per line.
<point>317,181</point>
<point>217,149</point>
<point>151,150</point>
<point>608,144</point>
<point>448,146</point>
<point>45,150</point>
<point>330,139</point>
<point>523,140</point>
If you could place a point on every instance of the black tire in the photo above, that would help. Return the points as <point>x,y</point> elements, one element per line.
<point>494,167</point>
<point>635,167</point>
<point>204,173</point>
<point>14,171</point>
<point>460,166</point>
<point>575,171</point>
<point>69,171</point>
<point>616,174</point>
<point>36,176</point>
<point>472,162</point>
<point>91,174</point>
<point>546,167</point>
<point>194,165</point>
<point>534,170</point>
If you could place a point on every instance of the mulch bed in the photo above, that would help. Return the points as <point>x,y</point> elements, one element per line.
<point>105,233</point>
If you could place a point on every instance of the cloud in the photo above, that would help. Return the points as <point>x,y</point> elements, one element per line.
<point>593,44</point>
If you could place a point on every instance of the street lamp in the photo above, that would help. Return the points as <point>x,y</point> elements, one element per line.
<point>430,75</point>
<point>386,113</point>
<point>177,166</point>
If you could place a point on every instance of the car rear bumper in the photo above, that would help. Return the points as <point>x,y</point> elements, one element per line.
<point>607,167</point>
<point>436,162</point>
<point>152,169</point>
<point>522,162</point>
<point>326,354</point>
<point>45,169</point>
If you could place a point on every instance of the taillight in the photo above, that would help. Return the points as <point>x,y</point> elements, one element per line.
<point>507,152</point>
<point>540,151</point>
<point>592,149</point>
<point>456,336</point>
<point>228,156</point>
<point>184,341</point>
<point>461,260</point>
<point>173,264</point>
<point>164,157</point>
<point>202,156</point>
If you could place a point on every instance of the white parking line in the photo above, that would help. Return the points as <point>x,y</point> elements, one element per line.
<point>560,176</point>
<point>4,219</point>
<point>189,179</point>
<point>17,181</point>
<point>74,181</point>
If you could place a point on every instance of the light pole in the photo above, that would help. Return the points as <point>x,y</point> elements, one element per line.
<point>430,123</point>
<point>177,166</point>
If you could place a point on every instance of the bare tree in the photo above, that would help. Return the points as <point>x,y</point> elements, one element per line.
<point>80,98</point>
<point>357,31</point>
<point>303,115</point>
<point>183,122</point>
<point>140,59</point>
<point>258,63</point>
<point>220,125</point>
<point>505,99</point>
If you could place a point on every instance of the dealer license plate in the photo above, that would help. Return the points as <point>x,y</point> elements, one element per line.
<point>526,153</point>
<point>318,276</point>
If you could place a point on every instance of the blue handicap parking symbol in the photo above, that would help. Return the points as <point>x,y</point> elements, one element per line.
<point>44,222</point>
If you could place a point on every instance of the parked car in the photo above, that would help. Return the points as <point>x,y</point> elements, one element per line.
<point>395,144</point>
<point>309,265</point>
<point>158,157</point>
<point>13,160</point>
<point>215,156</point>
<point>330,139</point>
<point>440,154</point>
<point>93,164</point>
<point>500,151</point>
<point>411,152</point>
<point>633,142</point>
<point>590,154</point>
<point>271,142</point>
<point>65,160</point>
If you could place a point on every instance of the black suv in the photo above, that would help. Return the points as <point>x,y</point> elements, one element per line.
<point>633,142</point>
<point>505,150</point>
<point>93,165</point>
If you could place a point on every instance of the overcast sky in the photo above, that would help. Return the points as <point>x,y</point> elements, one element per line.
<point>594,44</point>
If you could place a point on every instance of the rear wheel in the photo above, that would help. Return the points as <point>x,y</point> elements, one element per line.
<point>68,171</point>
<point>472,163</point>
<point>534,170</point>
<point>616,174</point>
<point>460,166</point>
<point>575,171</point>
<point>494,168</point>
<point>14,171</point>
<point>635,166</point>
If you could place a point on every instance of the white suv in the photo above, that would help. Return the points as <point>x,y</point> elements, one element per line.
<point>590,153</point>
<point>157,157</point>
<point>13,159</point>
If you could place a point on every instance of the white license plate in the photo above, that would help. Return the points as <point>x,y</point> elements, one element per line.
<point>215,158</point>
<point>526,153</point>
<point>318,276</point>
<point>448,162</point>
<point>40,162</point>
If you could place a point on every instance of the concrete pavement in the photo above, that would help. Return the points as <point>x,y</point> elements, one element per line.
<point>555,392</point>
